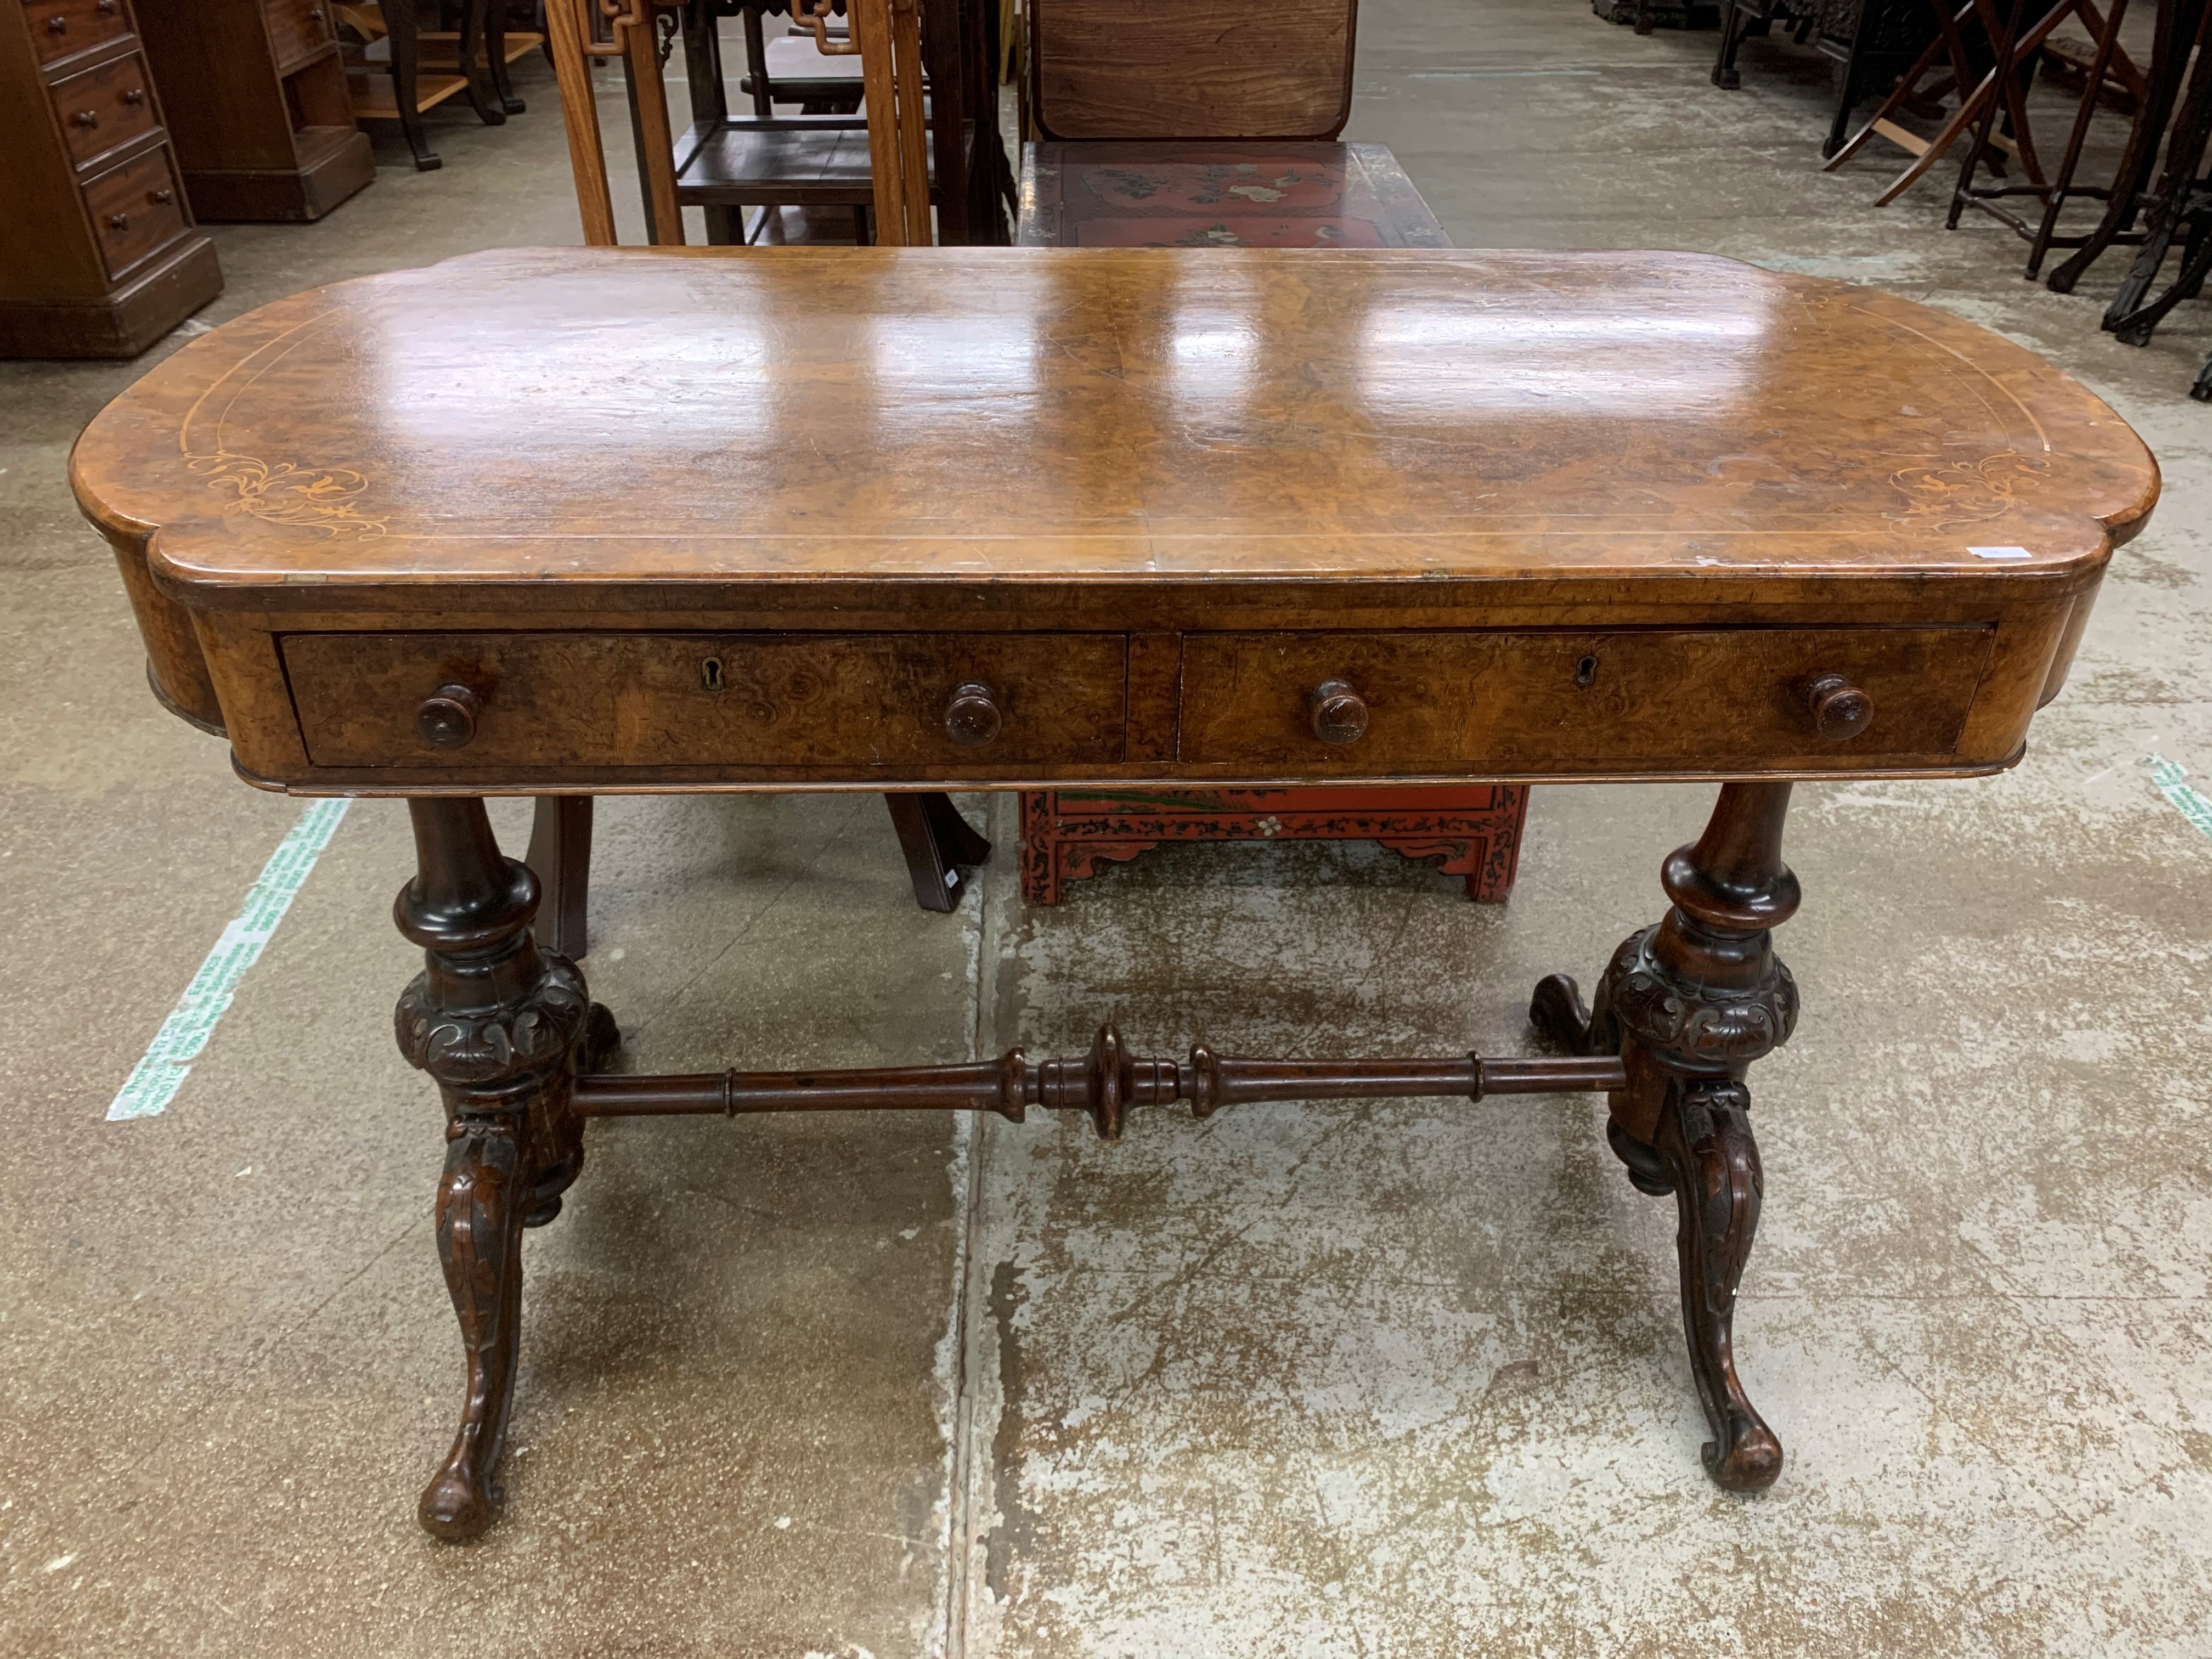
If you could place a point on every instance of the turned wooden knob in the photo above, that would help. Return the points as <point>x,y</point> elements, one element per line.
<point>118,221</point>
<point>447,717</point>
<point>1340,714</point>
<point>972,717</point>
<point>134,95</point>
<point>88,118</point>
<point>1839,710</point>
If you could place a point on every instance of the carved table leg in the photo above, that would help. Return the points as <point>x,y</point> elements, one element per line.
<point>1688,1005</point>
<point>501,1026</point>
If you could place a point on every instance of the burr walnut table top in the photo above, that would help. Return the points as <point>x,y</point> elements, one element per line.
<point>1130,442</point>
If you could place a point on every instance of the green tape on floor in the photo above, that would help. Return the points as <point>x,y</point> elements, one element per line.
<point>2193,806</point>
<point>154,1082</point>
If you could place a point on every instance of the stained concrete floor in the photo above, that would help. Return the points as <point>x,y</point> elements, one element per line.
<point>1390,1379</point>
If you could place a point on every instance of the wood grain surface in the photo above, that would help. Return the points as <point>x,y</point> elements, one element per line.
<point>1445,477</point>
<point>1191,68</point>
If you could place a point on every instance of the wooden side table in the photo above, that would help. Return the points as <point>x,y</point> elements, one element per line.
<point>1379,518</point>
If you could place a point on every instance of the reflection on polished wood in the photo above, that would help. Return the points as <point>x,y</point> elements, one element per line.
<point>978,441</point>
<point>780,518</point>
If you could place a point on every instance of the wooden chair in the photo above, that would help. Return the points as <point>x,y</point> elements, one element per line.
<point>940,845</point>
<point>885,36</point>
<point>1191,69</point>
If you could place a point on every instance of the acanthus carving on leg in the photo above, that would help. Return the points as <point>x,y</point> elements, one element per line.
<point>1706,1141</point>
<point>480,1245</point>
<point>501,1025</point>
<point>1689,1004</point>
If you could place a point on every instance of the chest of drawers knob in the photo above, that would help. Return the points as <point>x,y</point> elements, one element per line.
<point>1839,710</point>
<point>88,118</point>
<point>972,717</point>
<point>1339,714</point>
<point>447,717</point>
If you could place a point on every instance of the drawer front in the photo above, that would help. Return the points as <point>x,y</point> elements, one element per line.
<point>1561,702</point>
<point>101,108</point>
<point>297,28</point>
<point>136,209</point>
<point>60,28</point>
<point>849,703</point>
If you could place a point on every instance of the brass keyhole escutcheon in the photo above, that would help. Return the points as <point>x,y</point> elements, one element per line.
<point>710,675</point>
<point>1586,673</point>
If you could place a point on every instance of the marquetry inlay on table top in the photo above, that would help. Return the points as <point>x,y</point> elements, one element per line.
<point>1221,448</point>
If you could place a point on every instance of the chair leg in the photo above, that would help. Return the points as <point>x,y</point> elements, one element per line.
<point>1725,74</point>
<point>406,55</point>
<point>2175,27</point>
<point>2134,327</point>
<point>483,99</point>
<point>559,856</point>
<point>2202,389</point>
<point>940,847</point>
<point>495,21</point>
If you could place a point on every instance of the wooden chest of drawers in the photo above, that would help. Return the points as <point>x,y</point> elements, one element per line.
<point>100,257</point>
<point>256,98</point>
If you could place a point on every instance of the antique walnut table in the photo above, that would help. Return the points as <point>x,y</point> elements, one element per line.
<point>608,520</point>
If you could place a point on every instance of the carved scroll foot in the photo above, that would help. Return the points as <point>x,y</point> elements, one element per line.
<point>501,1025</point>
<point>1705,1141</point>
<point>1688,1006</point>
<point>480,1243</point>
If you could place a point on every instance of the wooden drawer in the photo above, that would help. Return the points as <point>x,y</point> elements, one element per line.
<point>298,29</point>
<point>60,28</point>
<point>852,701</point>
<point>1559,703</point>
<point>136,209</point>
<point>103,108</point>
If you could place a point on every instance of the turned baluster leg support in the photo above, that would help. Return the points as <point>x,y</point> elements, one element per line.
<point>1688,1005</point>
<point>502,1027</point>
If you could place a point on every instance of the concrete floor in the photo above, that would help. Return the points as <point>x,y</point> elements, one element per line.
<point>1385,1380</point>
